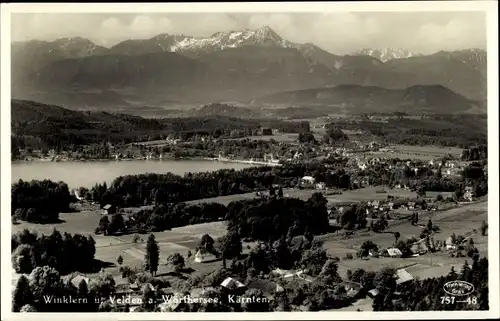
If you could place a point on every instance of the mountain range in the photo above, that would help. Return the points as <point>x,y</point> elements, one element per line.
<point>227,66</point>
<point>386,54</point>
<point>366,99</point>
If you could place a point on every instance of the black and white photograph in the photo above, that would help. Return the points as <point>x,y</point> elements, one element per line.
<point>250,157</point>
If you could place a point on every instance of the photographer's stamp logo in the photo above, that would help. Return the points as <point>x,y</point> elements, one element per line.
<point>458,288</point>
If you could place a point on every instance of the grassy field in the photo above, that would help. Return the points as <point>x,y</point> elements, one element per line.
<point>419,152</point>
<point>281,138</point>
<point>364,194</point>
<point>461,221</point>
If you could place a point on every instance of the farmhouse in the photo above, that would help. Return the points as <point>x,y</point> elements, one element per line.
<point>469,193</point>
<point>353,289</point>
<point>373,293</point>
<point>108,209</point>
<point>321,186</point>
<point>403,276</point>
<point>420,247</point>
<point>204,256</point>
<point>393,252</point>
<point>307,181</point>
<point>232,284</point>
<point>449,243</point>
<point>134,286</point>
<point>78,279</point>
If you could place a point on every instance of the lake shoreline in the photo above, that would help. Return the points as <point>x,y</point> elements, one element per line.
<point>168,159</point>
<point>88,173</point>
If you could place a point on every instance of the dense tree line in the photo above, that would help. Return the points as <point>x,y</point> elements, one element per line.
<point>307,137</point>
<point>475,153</point>
<point>164,217</point>
<point>250,216</point>
<point>66,253</point>
<point>290,126</point>
<point>445,130</point>
<point>39,201</point>
<point>44,290</point>
<point>334,135</point>
<point>240,149</point>
<point>291,217</point>
<point>38,126</point>
<point>144,189</point>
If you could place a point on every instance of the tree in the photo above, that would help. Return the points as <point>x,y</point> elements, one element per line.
<point>272,191</point>
<point>329,273</point>
<point>148,298</point>
<point>207,242</point>
<point>313,260</point>
<point>484,228</point>
<point>23,259</point>
<point>429,226</point>
<point>152,256</point>
<point>176,261</point>
<point>104,224</point>
<point>28,308</point>
<point>421,191</point>
<point>385,281</point>
<point>103,287</point>
<point>368,246</point>
<point>397,235</point>
<point>404,247</point>
<point>117,223</point>
<point>83,290</point>
<point>231,246</point>
<point>258,302</point>
<point>119,260</point>
<point>22,294</point>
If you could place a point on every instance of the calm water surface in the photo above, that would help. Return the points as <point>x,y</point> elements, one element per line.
<point>87,174</point>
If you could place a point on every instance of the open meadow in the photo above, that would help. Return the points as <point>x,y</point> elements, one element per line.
<point>350,196</point>
<point>461,221</point>
<point>418,152</point>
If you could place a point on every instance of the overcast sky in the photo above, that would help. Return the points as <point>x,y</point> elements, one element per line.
<point>341,33</point>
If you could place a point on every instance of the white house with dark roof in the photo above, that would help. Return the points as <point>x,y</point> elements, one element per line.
<point>231,284</point>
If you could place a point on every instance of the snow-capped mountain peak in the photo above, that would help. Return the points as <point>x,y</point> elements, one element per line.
<point>386,54</point>
<point>221,40</point>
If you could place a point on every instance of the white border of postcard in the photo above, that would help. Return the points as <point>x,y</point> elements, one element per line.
<point>489,7</point>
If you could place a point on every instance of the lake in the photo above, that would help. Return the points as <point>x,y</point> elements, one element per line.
<point>86,174</point>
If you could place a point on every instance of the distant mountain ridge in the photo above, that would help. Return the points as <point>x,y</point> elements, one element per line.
<point>227,66</point>
<point>415,99</point>
<point>386,54</point>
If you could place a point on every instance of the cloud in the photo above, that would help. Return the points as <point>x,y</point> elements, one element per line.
<point>338,32</point>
